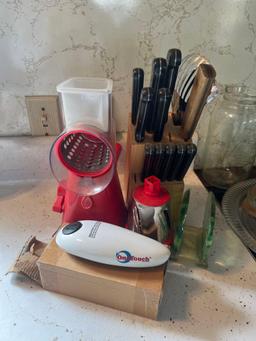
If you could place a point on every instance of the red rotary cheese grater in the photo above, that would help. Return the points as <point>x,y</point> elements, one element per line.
<point>83,158</point>
<point>84,163</point>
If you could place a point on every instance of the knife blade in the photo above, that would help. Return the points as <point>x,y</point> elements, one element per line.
<point>144,109</point>
<point>138,80</point>
<point>159,67</point>
<point>201,89</point>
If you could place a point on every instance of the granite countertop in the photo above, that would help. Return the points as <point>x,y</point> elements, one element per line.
<point>198,304</point>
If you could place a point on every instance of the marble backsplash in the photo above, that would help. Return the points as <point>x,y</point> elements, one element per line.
<point>43,42</point>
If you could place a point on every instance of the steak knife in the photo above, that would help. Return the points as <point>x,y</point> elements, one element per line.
<point>158,160</point>
<point>170,150</point>
<point>191,150</point>
<point>177,162</point>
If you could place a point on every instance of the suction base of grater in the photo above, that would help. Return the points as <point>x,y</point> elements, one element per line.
<point>83,160</point>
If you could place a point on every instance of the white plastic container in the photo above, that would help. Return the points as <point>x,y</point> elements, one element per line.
<point>86,100</point>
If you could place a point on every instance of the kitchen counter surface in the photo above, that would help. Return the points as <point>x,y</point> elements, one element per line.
<point>198,304</point>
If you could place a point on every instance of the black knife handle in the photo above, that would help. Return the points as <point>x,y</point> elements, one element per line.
<point>145,104</point>
<point>191,150</point>
<point>174,57</point>
<point>163,104</point>
<point>170,150</point>
<point>137,85</point>
<point>159,160</point>
<point>159,68</point>
<point>148,161</point>
<point>178,159</point>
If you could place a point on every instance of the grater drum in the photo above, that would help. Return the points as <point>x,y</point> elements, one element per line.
<point>84,163</point>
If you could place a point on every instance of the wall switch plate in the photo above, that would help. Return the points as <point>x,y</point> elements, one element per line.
<point>44,115</point>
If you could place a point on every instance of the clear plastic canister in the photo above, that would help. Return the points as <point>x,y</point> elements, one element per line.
<point>87,100</point>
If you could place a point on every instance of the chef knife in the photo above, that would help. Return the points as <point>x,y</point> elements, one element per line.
<point>163,104</point>
<point>201,89</point>
<point>159,67</point>
<point>138,80</point>
<point>191,150</point>
<point>144,109</point>
<point>178,159</point>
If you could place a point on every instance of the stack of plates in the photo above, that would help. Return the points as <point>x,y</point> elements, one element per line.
<point>244,225</point>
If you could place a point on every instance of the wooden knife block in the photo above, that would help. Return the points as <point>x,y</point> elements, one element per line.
<point>135,159</point>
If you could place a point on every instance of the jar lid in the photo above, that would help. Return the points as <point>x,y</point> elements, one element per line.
<point>151,193</point>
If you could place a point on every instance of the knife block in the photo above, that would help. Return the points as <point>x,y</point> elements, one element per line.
<point>135,156</point>
<point>135,159</point>
<point>176,132</point>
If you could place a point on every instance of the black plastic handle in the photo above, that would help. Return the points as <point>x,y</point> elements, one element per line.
<point>158,76</point>
<point>177,162</point>
<point>159,160</point>
<point>148,161</point>
<point>144,109</point>
<point>137,85</point>
<point>191,150</point>
<point>174,57</point>
<point>163,104</point>
<point>170,150</point>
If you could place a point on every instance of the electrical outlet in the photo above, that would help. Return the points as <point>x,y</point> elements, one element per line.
<point>44,115</point>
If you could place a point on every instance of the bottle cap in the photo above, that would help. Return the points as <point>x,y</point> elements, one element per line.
<point>151,193</point>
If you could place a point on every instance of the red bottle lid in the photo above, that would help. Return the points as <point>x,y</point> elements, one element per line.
<point>151,193</point>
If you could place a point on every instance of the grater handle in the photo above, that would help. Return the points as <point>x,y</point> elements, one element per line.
<point>59,201</point>
<point>118,150</point>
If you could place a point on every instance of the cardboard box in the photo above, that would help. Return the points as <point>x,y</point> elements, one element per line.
<point>136,291</point>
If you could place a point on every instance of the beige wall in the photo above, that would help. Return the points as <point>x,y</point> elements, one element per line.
<point>44,42</point>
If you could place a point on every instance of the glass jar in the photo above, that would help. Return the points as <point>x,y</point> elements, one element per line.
<point>230,148</point>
